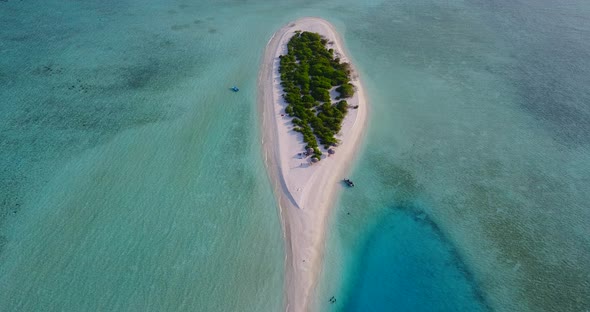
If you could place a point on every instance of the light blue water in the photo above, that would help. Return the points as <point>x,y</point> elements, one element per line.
<point>131,178</point>
<point>472,188</point>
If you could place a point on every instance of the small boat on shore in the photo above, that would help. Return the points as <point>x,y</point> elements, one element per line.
<point>349,182</point>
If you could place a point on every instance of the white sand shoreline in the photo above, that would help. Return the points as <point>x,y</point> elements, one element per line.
<point>305,192</point>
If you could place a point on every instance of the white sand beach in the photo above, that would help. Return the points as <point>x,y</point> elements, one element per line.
<point>305,192</point>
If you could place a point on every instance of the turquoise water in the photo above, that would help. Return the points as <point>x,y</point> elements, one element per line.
<point>406,265</point>
<point>131,178</point>
<point>473,188</point>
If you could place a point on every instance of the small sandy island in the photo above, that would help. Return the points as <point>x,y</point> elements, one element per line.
<point>305,191</point>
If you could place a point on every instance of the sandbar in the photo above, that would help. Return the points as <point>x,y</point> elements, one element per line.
<point>305,192</point>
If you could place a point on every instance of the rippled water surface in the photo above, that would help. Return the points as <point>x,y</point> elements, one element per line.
<point>131,177</point>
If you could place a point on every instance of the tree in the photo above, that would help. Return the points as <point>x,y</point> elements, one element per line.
<point>308,71</point>
<point>346,90</point>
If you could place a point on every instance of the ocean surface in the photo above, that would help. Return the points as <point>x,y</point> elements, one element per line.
<point>131,178</point>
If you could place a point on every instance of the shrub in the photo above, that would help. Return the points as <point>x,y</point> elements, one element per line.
<point>308,71</point>
<point>346,90</point>
<point>289,110</point>
<point>321,94</point>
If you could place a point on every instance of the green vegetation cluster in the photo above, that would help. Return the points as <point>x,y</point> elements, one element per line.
<point>308,71</point>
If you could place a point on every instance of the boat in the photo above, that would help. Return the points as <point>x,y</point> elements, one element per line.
<point>349,182</point>
<point>235,89</point>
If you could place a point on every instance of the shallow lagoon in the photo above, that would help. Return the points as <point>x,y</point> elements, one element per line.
<point>131,176</point>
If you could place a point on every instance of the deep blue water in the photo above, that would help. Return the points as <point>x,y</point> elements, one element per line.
<point>130,178</point>
<point>408,266</point>
<point>480,119</point>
